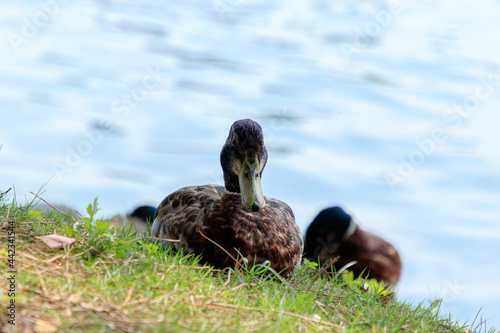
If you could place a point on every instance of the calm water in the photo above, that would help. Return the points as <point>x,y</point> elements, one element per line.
<point>388,109</point>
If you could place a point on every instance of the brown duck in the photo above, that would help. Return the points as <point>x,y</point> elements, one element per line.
<point>138,220</point>
<point>333,234</point>
<point>237,217</point>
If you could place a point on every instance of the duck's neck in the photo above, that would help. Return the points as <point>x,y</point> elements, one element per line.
<point>231,183</point>
<point>350,230</point>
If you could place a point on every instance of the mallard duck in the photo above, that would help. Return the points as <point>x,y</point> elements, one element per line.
<point>234,217</point>
<point>140,218</point>
<point>333,233</point>
<point>143,214</point>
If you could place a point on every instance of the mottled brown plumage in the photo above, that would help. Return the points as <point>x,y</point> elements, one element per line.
<point>334,235</point>
<point>259,227</point>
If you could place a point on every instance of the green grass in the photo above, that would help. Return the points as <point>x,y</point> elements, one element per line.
<point>114,280</point>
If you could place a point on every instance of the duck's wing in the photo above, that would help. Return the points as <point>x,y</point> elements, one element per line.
<point>384,258</point>
<point>186,205</point>
<point>287,238</point>
<point>280,208</point>
<point>284,211</point>
<point>375,254</point>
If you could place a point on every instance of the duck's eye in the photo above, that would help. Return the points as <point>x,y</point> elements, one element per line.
<point>233,141</point>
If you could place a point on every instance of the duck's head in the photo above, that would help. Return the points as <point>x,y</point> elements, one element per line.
<point>145,213</point>
<point>243,158</point>
<point>334,222</point>
<point>331,225</point>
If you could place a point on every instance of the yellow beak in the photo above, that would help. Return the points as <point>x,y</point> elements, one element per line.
<point>252,197</point>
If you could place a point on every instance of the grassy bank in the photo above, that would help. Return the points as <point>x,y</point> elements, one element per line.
<point>114,280</point>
